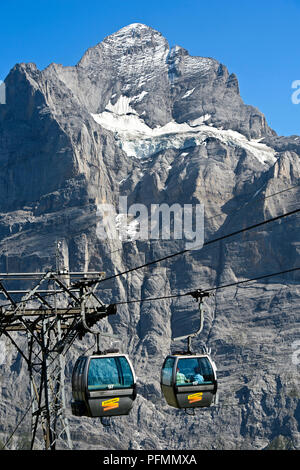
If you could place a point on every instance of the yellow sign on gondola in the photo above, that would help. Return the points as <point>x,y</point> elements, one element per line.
<point>195,397</point>
<point>110,404</point>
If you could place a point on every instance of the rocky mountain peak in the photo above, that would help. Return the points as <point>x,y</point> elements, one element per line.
<point>163,84</point>
<point>136,32</point>
<point>134,40</point>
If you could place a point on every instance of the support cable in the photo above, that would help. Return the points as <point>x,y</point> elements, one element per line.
<point>224,286</point>
<point>209,242</point>
<point>16,428</point>
<point>187,250</point>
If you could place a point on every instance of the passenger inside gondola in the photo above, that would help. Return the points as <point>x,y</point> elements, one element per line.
<point>180,378</point>
<point>197,370</point>
<point>198,378</point>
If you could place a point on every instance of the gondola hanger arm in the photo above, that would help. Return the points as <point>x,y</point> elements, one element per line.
<point>198,295</point>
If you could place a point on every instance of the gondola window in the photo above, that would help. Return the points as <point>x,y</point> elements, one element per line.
<point>109,372</point>
<point>196,370</point>
<point>167,371</point>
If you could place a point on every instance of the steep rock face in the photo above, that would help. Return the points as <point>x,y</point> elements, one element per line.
<point>139,119</point>
<point>136,65</point>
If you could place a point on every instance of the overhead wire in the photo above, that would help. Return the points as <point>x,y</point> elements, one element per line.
<point>209,242</point>
<point>222,214</point>
<point>17,426</point>
<point>189,293</point>
<point>206,290</point>
<point>172,255</point>
<point>261,197</point>
<point>214,240</point>
<point>223,286</point>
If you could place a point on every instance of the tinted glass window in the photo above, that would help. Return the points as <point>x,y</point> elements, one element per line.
<point>127,377</point>
<point>109,372</point>
<point>167,371</point>
<point>194,370</point>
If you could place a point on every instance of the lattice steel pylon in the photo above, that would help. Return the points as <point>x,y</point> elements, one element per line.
<point>46,371</point>
<point>51,319</point>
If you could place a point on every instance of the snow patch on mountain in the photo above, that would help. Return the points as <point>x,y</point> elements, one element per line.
<point>188,93</point>
<point>121,106</point>
<point>139,140</point>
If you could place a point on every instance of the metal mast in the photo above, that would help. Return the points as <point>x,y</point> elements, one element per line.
<point>42,323</point>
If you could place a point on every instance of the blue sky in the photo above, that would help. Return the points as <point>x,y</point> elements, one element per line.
<point>257,40</point>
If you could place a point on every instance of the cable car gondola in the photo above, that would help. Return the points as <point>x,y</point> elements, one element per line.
<point>189,380</point>
<point>103,385</point>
